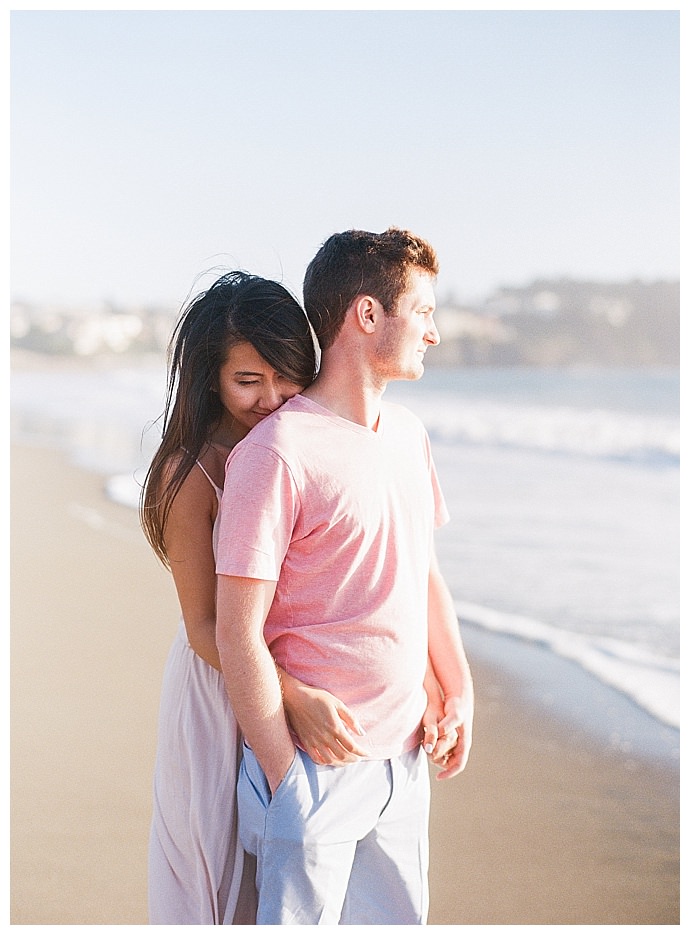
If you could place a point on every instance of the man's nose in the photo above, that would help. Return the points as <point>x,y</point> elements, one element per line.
<point>432,336</point>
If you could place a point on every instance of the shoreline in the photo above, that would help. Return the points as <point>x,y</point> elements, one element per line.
<point>546,825</point>
<point>601,714</point>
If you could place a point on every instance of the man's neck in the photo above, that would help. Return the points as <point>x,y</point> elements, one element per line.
<point>348,396</point>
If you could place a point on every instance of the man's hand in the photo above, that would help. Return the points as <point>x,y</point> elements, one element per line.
<point>455,725</point>
<point>448,735</point>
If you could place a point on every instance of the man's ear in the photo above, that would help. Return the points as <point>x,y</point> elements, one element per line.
<point>366,312</point>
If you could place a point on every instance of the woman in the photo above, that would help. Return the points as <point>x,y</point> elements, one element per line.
<point>239,351</point>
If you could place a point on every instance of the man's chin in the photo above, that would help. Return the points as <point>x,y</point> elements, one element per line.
<point>412,375</point>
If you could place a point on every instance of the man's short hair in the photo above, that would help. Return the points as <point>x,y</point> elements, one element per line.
<point>356,263</point>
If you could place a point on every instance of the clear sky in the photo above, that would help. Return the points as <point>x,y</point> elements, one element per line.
<point>148,147</point>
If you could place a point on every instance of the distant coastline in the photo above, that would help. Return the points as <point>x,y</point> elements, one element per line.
<point>550,323</point>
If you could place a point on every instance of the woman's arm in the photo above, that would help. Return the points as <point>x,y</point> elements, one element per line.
<point>189,544</point>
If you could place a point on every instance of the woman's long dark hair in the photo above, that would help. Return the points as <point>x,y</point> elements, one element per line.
<point>238,307</point>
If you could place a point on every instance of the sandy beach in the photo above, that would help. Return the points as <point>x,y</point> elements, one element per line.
<point>544,827</point>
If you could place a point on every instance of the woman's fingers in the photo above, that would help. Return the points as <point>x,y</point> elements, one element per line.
<point>430,738</point>
<point>338,745</point>
<point>350,721</point>
<point>334,754</point>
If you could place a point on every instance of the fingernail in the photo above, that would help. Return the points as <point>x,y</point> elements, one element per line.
<point>428,748</point>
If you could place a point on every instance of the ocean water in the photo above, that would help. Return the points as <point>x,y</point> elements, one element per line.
<point>563,488</point>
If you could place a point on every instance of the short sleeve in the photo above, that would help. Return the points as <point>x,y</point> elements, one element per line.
<point>257,514</point>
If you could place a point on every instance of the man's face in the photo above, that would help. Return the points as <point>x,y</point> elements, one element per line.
<point>405,336</point>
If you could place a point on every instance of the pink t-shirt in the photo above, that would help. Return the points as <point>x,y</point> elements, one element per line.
<point>343,519</point>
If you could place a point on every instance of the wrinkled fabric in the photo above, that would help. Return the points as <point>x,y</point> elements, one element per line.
<point>195,858</point>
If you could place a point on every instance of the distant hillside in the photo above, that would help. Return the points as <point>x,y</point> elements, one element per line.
<point>547,324</point>
<point>564,322</point>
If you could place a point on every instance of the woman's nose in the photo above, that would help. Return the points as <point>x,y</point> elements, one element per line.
<point>271,397</point>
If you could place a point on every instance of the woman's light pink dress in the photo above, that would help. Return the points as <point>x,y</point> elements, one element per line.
<point>198,872</point>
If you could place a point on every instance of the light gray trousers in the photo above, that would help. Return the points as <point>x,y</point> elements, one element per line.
<point>339,845</point>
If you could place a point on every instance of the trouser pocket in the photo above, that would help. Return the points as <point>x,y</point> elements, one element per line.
<point>254,799</point>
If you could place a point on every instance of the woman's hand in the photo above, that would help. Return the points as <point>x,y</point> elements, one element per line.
<point>326,728</point>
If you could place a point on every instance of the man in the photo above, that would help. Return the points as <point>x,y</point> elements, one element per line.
<point>326,564</point>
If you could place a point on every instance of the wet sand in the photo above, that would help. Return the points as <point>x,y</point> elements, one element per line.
<point>544,827</point>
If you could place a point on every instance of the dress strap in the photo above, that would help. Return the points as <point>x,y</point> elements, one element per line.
<point>213,484</point>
